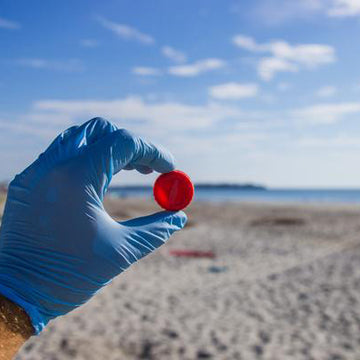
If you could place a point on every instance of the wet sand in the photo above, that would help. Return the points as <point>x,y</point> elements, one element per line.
<point>285,284</point>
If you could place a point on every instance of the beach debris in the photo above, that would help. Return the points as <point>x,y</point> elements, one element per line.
<point>28,347</point>
<point>203,354</point>
<point>219,345</point>
<point>67,348</point>
<point>147,350</point>
<point>278,221</point>
<point>264,337</point>
<point>217,269</point>
<point>192,253</point>
<point>171,333</point>
<point>258,350</point>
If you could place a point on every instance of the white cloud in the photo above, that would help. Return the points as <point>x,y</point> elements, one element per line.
<point>185,70</point>
<point>309,55</point>
<point>174,124</point>
<point>25,128</point>
<point>197,68</point>
<point>344,8</point>
<point>275,12</point>
<point>325,113</point>
<point>146,71</point>
<point>247,43</point>
<point>72,65</point>
<point>268,67</point>
<point>286,57</point>
<point>162,115</point>
<point>173,54</point>
<point>8,24</point>
<point>326,91</point>
<point>90,43</point>
<point>127,32</point>
<point>233,91</point>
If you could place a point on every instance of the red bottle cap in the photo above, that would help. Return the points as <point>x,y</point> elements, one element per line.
<point>174,190</point>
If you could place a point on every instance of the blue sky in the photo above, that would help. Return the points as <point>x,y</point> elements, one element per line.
<point>264,91</point>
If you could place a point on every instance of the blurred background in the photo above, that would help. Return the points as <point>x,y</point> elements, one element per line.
<point>259,102</point>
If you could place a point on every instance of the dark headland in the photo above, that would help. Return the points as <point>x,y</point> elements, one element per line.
<point>198,186</point>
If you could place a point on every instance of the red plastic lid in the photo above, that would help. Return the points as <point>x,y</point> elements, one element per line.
<point>174,190</point>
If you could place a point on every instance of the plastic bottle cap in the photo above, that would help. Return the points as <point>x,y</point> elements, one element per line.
<point>174,190</point>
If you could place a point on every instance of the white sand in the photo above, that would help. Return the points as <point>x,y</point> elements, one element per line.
<point>290,290</point>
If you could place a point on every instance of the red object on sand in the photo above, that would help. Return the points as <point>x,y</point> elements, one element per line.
<point>192,253</point>
<point>174,190</point>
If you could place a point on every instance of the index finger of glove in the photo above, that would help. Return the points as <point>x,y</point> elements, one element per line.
<point>122,149</point>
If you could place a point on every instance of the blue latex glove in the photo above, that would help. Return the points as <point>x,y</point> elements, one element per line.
<point>58,246</point>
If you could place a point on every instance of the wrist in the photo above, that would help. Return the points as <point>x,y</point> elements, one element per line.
<point>14,320</point>
<point>15,328</point>
<point>23,300</point>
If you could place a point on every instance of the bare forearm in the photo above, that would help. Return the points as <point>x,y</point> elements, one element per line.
<point>15,328</point>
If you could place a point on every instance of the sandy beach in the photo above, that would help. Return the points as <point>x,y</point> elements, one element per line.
<point>285,284</point>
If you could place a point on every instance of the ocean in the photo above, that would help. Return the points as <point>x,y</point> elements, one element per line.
<point>271,195</point>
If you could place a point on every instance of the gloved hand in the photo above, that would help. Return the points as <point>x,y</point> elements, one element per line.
<point>58,246</point>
